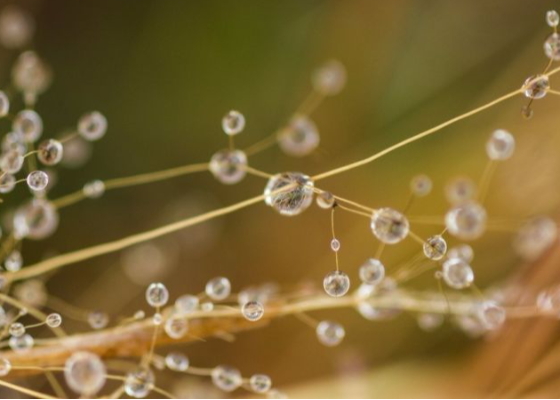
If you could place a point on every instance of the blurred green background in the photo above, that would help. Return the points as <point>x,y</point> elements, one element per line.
<point>164,72</point>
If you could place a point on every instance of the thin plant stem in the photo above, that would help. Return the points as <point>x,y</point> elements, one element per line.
<point>57,262</point>
<point>414,138</point>
<point>134,180</point>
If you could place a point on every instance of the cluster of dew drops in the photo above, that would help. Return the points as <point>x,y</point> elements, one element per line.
<point>288,193</point>
<point>85,373</point>
<point>24,143</point>
<point>37,218</point>
<point>291,193</point>
<point>300,138</point>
